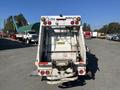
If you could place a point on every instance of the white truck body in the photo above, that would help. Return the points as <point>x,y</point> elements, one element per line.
<point>94,34</point>
<point>28,36</point>
<point>19,35</point>
<point>61,54</point>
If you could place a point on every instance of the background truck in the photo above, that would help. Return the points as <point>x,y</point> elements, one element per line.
<point>27,36</point>
<point>88,34</point>
<point>61,54</point>
<point>94,34</point>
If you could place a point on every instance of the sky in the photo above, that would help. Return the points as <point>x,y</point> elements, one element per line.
<point>94,12</point>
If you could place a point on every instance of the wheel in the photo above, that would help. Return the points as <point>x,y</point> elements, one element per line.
<point>27,41</point>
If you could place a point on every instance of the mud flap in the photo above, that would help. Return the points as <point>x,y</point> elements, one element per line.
<point>44,78</point>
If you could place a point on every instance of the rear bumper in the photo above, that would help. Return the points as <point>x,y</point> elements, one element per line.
<point>60,77</point>
<point>63,80</point>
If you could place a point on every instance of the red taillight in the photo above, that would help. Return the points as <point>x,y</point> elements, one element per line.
<point>42,72</point>
<point>76,22</point>
<point>47,72</point>
<point>49,22</point>
<point>72,22</point>
<point>43,63</point>
<point>81,71</point>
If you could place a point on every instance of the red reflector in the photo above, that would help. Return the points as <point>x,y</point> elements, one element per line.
<point>81,71</point>
<point>72,22</point>
<point>43,63</point>
<point>49,22</point>
<point>42,72</point>
<point>76,22</point>
<point>47,72</point>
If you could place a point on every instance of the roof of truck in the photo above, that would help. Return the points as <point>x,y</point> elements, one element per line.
<point>34,26</point>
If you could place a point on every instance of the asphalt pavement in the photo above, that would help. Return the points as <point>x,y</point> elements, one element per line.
<point>16,65</point>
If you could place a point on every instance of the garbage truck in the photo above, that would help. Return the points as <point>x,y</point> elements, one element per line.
<point>24,34</point>
<point>61,53</point>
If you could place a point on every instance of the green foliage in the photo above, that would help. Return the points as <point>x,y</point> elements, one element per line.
<point>86,27</point>
<point>112,27</point>
<point>9,25</point>
<point>20,19</point>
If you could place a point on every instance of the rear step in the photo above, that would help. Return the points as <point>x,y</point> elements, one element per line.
<point>62,80</point>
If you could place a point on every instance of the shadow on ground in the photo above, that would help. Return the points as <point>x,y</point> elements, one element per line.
<point>92,66</point>
<point>6,44</point>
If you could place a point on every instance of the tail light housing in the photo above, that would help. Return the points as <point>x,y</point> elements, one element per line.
<point>47,72</point>
<point>45,22</point>
<point>49,22</point>
<point>72,22</point>
<point>82,71</point>
<point>77,22</point>
<point>44,72</point>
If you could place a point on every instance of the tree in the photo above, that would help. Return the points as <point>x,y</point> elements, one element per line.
<point>20,19</point>
<point>113,27</point>
<point>86,27</point>
<point>9,25</point>
<point>96,30</point>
